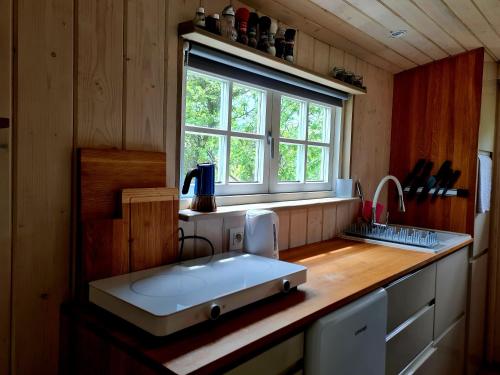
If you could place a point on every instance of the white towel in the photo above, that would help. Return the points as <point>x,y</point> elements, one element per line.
<point>484,184</point>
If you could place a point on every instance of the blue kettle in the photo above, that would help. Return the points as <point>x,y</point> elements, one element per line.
<point>204,187</point>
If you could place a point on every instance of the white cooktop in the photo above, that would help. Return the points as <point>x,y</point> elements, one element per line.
<point>178,288</point>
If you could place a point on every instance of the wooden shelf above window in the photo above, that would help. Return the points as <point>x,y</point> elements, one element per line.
<point>196,34</point>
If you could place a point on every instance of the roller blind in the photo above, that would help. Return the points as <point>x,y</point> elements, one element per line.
<point>217,62</point>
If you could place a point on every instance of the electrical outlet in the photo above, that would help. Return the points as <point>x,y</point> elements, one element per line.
<point>236,238</point>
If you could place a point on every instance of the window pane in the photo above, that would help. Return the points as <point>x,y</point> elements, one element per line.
<point>244,160</point>
<point>317,125</point>
<point>246,113</point>
<point>204,100</point>
<point>203,148</point>
<point>290,162</point>
<point>291,122</point>
<point>317,162</point>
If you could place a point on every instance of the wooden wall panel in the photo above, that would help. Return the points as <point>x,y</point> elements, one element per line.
<point>439,126</point>
<point>321,62</point>
<point>145,74</point>
<point>304,50</point>
<point>5,183</point>
<point>329,222</point>
<point>100,73</point>
<point>284,229</point>
<point>43,138</point>
<point>314,224</point>
<point>298,227</point>
<point>372,130</point>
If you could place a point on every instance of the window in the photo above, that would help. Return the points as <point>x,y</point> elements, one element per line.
<point>261,140</point>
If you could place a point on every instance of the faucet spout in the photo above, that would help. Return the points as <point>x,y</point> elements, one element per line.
<point>402,207</point>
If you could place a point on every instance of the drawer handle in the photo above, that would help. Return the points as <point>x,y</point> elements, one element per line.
<point>408,322</point>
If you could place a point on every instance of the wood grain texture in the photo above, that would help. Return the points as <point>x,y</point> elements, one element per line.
<point>391,21</point>
<point>329,222</point>
<point>145,44</point>
<point>42,141</point>
<point>314,224</point>
<point>339,272</point>
<point>442,126</point>
<point>152,216</point>
<point>371,130</point>
<point>317,22</point>
<point>284,229</point>
<point>363,22</point>
<point>298,227</point>
<point>5,183</point>
<point>105,250</point>
<point>475,20</point>
<point>104,173</point>
<point>321,61</point>
<point>212,230</point>
<point>100,73</point>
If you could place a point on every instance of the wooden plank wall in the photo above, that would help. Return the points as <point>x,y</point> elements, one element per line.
<point>5,181</point>
<point>297,227</point>
<point>103,73</point>
<point>438,127</point>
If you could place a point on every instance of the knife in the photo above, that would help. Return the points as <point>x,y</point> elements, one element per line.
<point>454,178</point>
<point>415,171</point>
<point>421,179</point>
<point>433,181</point>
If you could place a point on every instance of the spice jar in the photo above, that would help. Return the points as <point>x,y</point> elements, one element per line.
<point>227,24</point>
<point>199,18</point>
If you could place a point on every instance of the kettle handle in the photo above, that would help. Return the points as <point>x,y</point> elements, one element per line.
<point>187,181</point>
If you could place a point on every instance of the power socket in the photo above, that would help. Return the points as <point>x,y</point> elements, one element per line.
<point>236,238</point>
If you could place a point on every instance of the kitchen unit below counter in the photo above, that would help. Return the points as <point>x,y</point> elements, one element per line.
<point>339,271</point>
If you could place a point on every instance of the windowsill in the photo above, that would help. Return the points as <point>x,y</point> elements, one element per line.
<point>241,209</point>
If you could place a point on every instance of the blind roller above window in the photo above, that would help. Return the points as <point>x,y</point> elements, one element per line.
<point>210,60</point>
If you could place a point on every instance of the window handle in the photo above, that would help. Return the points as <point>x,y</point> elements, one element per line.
<point>270,141</point>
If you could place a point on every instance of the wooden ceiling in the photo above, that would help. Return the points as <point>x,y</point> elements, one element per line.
<point>435,28</point>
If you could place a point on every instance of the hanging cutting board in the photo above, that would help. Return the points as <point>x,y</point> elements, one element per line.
<point>151,217</point>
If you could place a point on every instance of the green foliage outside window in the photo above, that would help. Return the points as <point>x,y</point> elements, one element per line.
<point>205,102</point>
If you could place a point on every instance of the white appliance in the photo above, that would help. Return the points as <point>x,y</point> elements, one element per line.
<point>167,299</point>
<point>261,233</point>
<point>351,340</point>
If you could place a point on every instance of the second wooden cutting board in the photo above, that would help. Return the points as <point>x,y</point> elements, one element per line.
<point>151,219</point>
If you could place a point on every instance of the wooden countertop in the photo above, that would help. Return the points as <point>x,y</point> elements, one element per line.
<point>339,271</point>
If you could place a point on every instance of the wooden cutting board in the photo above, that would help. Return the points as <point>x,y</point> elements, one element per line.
<point>151,216</point>
<point>120,233</point>
<point>104,173</point>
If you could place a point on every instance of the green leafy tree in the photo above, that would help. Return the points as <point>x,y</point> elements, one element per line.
<point>203,108</point>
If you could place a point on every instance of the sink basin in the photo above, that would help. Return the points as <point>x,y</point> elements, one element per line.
<point>416,239</point>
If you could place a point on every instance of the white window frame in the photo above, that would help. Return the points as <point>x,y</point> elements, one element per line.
<point>333,145</point>
<point>269,166</point>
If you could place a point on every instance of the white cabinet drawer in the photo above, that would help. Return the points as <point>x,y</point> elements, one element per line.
<point>448,359</point>
<point>283,358</point>
<point>409,295</point>
<point>408,340</point>
<point>451,290</point>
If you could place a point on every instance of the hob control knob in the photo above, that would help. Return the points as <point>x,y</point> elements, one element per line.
<point>285,286</point>
<point>214,311</point>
